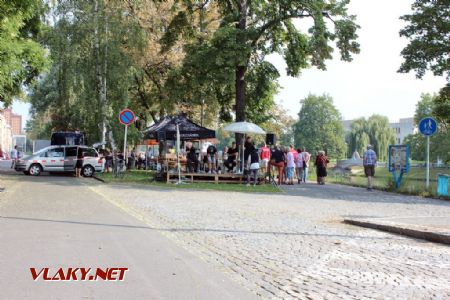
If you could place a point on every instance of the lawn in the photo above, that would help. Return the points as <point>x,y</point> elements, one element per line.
<point>145,178</point>
<point>413,183</point>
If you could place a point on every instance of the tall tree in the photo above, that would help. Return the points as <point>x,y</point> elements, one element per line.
<point>319,126</point>
<point>429,31</point>
<point>88,83</point>
<point>250,30</point>
<point>375,131</point>
<point>22,57</point>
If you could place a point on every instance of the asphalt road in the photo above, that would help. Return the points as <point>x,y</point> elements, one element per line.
<point>58,222</point>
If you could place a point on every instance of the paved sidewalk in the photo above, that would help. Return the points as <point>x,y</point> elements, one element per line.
<point>295,245</point>
<point>54,221</point>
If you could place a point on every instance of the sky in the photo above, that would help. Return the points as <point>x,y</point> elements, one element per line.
<point>370,83</point>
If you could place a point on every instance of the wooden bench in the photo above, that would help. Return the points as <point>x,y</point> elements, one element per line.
<point>209,178</point>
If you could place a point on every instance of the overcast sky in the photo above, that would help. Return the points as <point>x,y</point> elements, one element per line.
<point>367,85</point>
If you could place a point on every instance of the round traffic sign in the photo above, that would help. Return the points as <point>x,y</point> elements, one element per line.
<point>428,126</point>
<point>127,117</point>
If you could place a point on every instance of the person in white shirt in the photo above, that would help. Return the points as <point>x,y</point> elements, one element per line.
<point>14,156</point>
<point>299,165</point>
<point>306,158</point>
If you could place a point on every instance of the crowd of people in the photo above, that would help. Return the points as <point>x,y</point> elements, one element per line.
<point>279,164</point>
<point>284,165</point>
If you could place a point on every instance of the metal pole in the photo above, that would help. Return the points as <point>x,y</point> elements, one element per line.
<point>125,157</point>
<point>178,154</point>
<point>428,162</point>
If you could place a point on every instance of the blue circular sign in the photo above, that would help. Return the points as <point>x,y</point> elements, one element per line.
<point>126,117</point>
<point>428,126</point>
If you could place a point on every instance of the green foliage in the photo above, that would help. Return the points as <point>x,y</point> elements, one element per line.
<point>424,107</point>
<point>250,30</point>
<point>431,106</point>
<point>22,57</point>
<point>375,131</point>
<point>428,31</point>
<point>320,126</point>
<point>441,107</point>
<point>67,97</point>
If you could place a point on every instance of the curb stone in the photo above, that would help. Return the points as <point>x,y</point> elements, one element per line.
<point>419,232</point>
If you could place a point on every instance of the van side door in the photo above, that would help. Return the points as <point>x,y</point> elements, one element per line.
<point>70,158</point>
<point>55,160</point>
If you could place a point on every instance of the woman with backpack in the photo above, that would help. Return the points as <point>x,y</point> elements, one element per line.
<point>321,167</point>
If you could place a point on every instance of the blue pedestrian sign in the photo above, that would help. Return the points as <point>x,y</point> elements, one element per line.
<point>428,126</point>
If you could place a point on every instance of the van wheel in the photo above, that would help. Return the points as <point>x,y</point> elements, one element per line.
<point>35,170</point>
<point>87,171</point>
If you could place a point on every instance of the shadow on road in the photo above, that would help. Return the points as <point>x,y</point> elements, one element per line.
<point>275,233</point>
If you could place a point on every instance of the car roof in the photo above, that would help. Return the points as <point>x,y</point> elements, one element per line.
<point>66,146</point>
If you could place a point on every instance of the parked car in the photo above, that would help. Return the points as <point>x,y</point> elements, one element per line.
<point>60,159</point>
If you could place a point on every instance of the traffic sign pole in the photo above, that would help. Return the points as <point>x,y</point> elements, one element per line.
<point>126,117</point>
<point>428,127</point>
<point>428,162</point>
<point>125,156</point>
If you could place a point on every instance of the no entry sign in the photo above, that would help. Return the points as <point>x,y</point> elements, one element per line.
<point>127,117</point>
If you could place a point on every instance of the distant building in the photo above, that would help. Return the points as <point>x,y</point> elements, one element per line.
<point>14,120</point>
<point>20,141</point>
<point>402,128</point>
<point>5,135</point>
<point>10,129</point>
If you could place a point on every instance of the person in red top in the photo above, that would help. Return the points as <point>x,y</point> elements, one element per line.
<point>265,158</point>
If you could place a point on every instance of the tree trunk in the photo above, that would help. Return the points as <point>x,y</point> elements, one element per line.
<point>241,69</point>
<point>103,98</point>
<point>100,69</point>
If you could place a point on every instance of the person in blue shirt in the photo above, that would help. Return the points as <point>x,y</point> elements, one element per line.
<point>369,162</point>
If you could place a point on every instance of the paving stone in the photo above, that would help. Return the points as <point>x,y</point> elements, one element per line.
<point>294,245</point>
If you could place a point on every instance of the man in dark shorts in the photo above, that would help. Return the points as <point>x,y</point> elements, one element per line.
<point>369,162</point>
<point>79,163</point>
<point>232,152</point>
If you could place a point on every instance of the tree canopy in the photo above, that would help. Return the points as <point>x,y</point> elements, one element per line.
<point>22,57</point>
<point>250,30</point>
<point>428,30</point>
<point>319,126</point>
<point>374,131</point>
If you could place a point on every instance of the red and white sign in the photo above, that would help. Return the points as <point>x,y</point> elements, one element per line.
<point>127,117</point>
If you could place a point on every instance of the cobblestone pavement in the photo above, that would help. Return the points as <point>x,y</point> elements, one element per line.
<point>294,245</point>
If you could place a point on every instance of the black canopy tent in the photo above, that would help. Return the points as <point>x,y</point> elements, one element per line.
<point>166,129</point>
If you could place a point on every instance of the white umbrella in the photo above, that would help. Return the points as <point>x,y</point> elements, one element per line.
<point>245,128</point>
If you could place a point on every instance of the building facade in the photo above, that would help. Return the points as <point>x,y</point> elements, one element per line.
<point>403,128</point>
<point>10,126</point>
<point>14,120</point>
<point>5,135</point>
